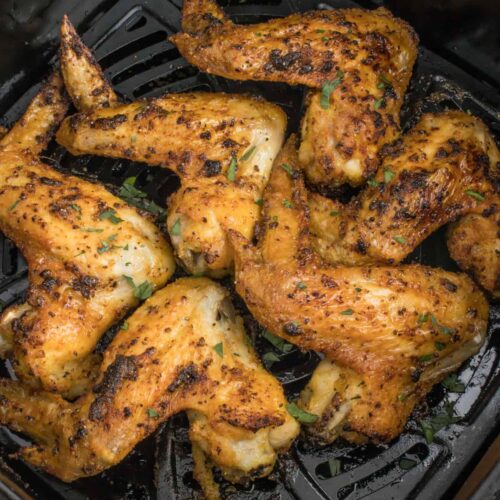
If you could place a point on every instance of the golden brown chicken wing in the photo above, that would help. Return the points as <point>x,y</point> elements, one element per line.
<point>362,60</point>
<point>474,243</point>
<point>221,146</point>
<point>389,333</point>
<point>90,257</point>
<point>183,349</point>
<point>446,166</point>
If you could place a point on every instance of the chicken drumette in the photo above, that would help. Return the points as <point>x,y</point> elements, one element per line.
<point>357,62</point>
<point>80,242</point>
<point>388,333</point>
<point>183,349</point>
<point>221,146</point>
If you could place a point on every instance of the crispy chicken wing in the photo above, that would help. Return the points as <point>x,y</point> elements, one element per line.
<point>474,243</point>
<point>389,333</point>
<point>443,168</point>
<point>79,242</point>
<point>184,349</point>
<point>221,146</point>
<point>362,60</point>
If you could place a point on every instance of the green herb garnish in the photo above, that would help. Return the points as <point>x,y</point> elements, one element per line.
<point>452,383</point>
<point>439,346</point>
<point>111,215</point>
<point>259,202</point>
<point>137,198</point>
<point>434,424</point>
<point>378,103</point>
<point>426,357</point>
<point>270,357</point>
<point>328,88</point>
<point>287,204</point>
<point>91,230</point>
<point>372,182</point>
<point>231,171</point>
<point>219,349</point>
<point>407,463</point>
<point>248,153</point>
<point>176,228</point>
<point>388,175</point>
<point>141,292</point>
<point>277,342</point>
<point>124,326</point>
<point>153,413</point>
<point>347,312</point>
<point>104,247</point>
<point>400,239</point>
<point>333,213</point>
<point>475,194</point>
<point>301,285</point>
<point>287,168</point>
<point>335,466</point>
<point>302,416</point>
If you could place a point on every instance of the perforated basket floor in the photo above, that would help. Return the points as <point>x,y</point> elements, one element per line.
<point>130,43</point>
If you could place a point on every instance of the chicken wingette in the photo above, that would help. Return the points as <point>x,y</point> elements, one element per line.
<point>443,168</point>
<point>88,254</point>
<point>221,146</point>
<point>388,333</point>
<point>358,62</point>
<point>183,349</point>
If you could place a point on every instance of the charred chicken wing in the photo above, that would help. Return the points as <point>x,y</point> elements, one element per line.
<point>389,333</point>
<point>445,167</point>
<point>184,349</point>
<point>358,62</point>
<point>221,146</point>
<point>87,253</point>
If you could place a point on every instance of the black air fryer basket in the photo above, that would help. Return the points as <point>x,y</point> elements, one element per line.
<point>129,39</point>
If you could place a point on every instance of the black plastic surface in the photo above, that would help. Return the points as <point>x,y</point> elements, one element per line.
<point>129,39</point>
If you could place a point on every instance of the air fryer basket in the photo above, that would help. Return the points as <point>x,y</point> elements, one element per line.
<point>129,39</point>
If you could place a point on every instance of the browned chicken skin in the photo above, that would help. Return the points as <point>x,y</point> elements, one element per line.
<point>184,349</point>
<point>443,168</point>
<point>221,146</point>
<point>389,333</point>
<point>361,59</point>
<point>474,243</point>
<point>79,241</point>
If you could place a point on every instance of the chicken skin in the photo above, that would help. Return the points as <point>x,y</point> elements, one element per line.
<point>443,168</point>
<point>361,60</point>
<point>80,242</point>
<point>388,333</point>
<point>184,349</point>
<point>474,243</point>
<point>221,146</point>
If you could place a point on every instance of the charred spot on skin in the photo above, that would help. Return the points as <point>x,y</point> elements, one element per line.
<point>121,369</point>
<point>50,182</point>
<point>108,123</point>
<point>211,168</point>
<point>292,328</point>
<point>185,377</point>
<point>86,285</point>
<point>450,286</point>
<point>278,62</point>
<point>79,434</point>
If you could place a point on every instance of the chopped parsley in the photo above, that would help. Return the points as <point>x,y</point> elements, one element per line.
<point>407,463</point>
<point>176,228</point>
<point>379,103</point>
<point>400,239</point>
<point>137,198</point>
<point>320,31</point>
<point>452,383</point>
<point>111,216</point>
<point>124,326</point>
<point>328,88</point>
<point>301,285</point>
<point>383,82</point>
<point>153,413</point>
<point>277,342</point>
<point>441,328</point>
<point>475,194</point>
<point>422,318</point>
<point>388,175</point>
<point>133,138</point>
<point>333,213</point>
<point>357,289</point>
<point>91,230</point>
<point>287,204</point>
<point>219,349</point>
<point>270,358</point>
<point>434,424</point>
<point>347,312</point>
<point>142,291</point>
<point>76,207</point>
<point>426,357</point>
<point>335,466</point>
<point>439,346</point>
<point>231,171</point>
<point>14,205</point>
<point>287,168</point>
<point>302,416</point>
<point>259,202</point>
<point>104,247</point>
<point>248,153</point>
<point>372,182</point>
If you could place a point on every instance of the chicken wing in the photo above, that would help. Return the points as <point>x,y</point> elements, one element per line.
<point>474,243</point>
<point>389,333</point>
<point>221,146</point>
<point>362,60</point>
<point>443,168</point>
<point>184,349</point>
<point>90,256</point>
